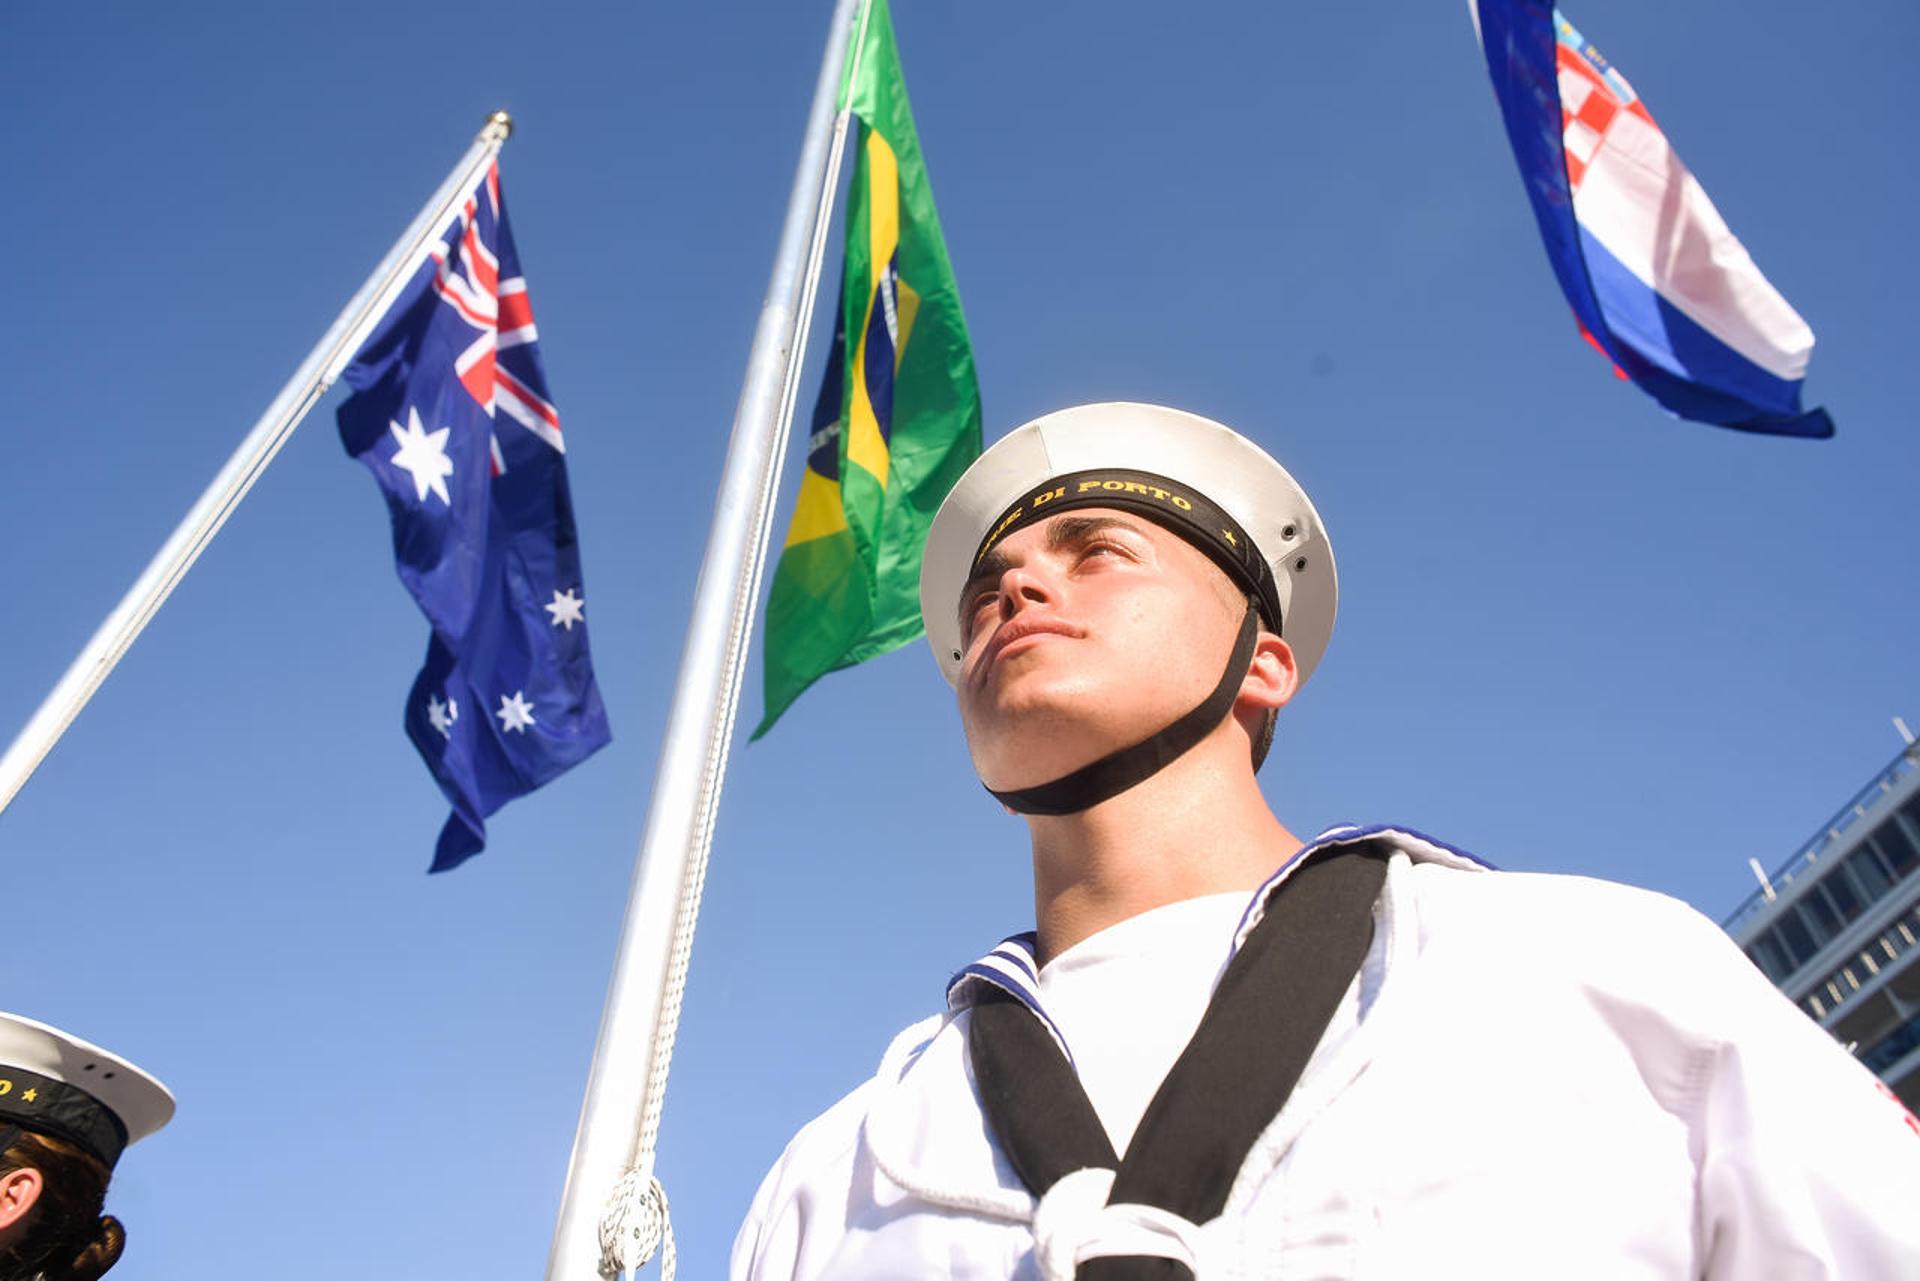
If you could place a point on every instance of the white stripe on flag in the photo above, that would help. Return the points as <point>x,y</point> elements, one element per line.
<point>1638,200</point>
<point>521,412</point>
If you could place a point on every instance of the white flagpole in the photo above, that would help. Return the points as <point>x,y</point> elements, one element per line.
<point>310,382</point>
<point>613,1210</point>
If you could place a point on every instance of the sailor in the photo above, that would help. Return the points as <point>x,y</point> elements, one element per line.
<point>67,1111</point>
<point>1225,1052</point>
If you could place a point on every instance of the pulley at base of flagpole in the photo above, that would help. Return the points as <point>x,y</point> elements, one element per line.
<point>635,1227</point>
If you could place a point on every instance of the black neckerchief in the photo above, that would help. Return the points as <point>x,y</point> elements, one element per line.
<point>1267,1014</point>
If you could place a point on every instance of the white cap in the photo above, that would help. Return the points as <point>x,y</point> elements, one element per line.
<point>53,1083</point>
<point>1224,467</point>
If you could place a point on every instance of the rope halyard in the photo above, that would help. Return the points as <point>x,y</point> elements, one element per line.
<point>635,1227</point>
<point>634,1224</point>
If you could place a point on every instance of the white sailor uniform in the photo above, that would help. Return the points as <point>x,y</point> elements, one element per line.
<point>1529,1076</point>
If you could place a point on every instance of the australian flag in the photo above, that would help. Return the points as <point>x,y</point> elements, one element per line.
<point>450,411</point>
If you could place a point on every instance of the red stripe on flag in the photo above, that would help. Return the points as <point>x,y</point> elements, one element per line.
<point>1594,343</point>
<point>451,294</point>
<point>486,272</point>
<point>478,379</point>
<point>516,312</point>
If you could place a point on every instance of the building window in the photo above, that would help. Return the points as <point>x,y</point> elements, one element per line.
<point>1899,936</point>
<point>1837,988</point>
<point>1767,953</point>
<point>1819,915</point>
<point>1893,1047</point>
<point>1800,944</point>
<point>1840,890</point>
<point>1895,847</point>
<point>1868,872</point>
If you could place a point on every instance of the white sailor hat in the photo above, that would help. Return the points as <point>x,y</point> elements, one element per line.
<point>56,1084</point>
<point>1198,478</point>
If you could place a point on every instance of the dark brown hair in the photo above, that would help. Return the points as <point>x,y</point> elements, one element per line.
<point>67,1238</point>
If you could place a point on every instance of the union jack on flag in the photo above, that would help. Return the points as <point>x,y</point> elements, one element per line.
<point>451,413</point>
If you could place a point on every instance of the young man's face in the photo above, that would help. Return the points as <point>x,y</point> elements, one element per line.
<point>1084,633</point>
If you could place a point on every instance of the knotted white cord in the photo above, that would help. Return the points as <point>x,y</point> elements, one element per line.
<point>636,1222</point>
<point>1068,1216</point>
<point>636,1225</point>
<point>637,1215</point>
<point>1074,1223</point>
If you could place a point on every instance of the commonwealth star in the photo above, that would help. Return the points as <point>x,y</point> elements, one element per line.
<point>423,455</point>
<point>515,713</point>
<point>442,715</point>
<point>566,609</point>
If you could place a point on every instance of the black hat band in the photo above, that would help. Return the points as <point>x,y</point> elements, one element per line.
<point>1181,509</point>
<point>46,1106</point>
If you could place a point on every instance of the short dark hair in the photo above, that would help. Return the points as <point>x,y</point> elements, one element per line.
<point>1265,741</point>
<point>67,1238</point>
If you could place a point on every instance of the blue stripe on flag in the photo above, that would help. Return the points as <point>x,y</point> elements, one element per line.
<point>1693,360</point>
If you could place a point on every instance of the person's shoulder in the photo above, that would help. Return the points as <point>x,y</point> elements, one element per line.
<point>1603,937</point>
<point>1564,907</point>
<point>819,1160</point>
<point>829,1139</point>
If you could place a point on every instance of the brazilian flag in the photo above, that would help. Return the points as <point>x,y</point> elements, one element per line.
<point>898,418</point>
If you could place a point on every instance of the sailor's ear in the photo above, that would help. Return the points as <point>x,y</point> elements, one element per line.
<point>1272,675</point>
<point>19,1192</point>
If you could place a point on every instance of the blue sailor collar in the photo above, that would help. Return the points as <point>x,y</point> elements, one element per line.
<point>1011,966</point>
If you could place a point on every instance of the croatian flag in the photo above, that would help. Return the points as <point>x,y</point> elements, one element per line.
<point>1657,281</point>
<point>450,411</point>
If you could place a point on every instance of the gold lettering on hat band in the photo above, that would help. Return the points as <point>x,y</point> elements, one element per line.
<point>1029,505</point>
<point>1187,512</point>
<point>1005,521</point>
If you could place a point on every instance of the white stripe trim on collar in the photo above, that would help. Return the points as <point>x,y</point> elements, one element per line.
<point>1011,965</point>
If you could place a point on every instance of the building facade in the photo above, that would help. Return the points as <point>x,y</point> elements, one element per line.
<point>1837,927</point>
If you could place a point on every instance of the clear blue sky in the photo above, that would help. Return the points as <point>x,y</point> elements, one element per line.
<point>1576,635</point>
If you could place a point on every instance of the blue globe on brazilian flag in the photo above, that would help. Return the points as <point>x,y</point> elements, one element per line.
<point>898,417</point>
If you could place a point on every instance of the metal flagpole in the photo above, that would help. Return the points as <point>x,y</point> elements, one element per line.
<point>310,382</point>
<point>613,1210</point>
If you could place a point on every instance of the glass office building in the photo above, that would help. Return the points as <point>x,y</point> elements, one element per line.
<point>1837,927</point>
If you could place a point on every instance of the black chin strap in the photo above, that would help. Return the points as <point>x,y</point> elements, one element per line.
<point>1111,775</point>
